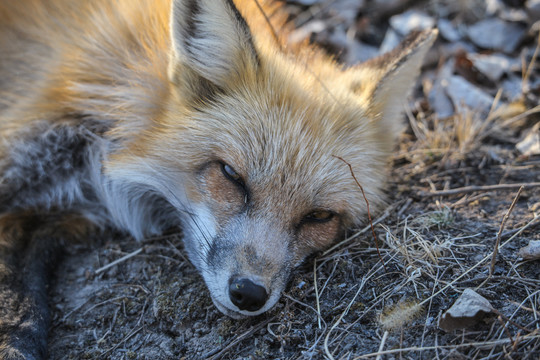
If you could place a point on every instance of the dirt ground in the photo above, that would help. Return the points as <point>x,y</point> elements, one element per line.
<point>346,303</point>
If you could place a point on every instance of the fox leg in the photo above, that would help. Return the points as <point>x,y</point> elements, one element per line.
<point>30,245</point>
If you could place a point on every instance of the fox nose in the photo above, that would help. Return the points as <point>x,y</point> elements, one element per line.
<point>246,295</point>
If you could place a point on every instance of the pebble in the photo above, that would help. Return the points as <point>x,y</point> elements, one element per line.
<point>496,34</point>
<point>448,30</point>
<point>411,20</point>
<point>359,52</point>
<point>438,99</point>
<point>302,33</point>
<point>347,10</point>
<point>462,92</point>
<point>440,102</point>
<point>391,40</point>
<point>512,88</point>
<point>491,66</point>
<point>533,9</point>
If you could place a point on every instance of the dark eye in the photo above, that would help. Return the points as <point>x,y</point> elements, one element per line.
<point>231,174</point>
<point>319,216</point>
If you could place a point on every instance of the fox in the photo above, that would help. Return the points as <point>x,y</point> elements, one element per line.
<point>139,116</point>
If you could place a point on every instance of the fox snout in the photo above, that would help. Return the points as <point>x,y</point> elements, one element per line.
<point>246,295</point>
<point>246,263</point>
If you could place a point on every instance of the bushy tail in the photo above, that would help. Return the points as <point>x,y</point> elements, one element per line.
<point>30,245</point>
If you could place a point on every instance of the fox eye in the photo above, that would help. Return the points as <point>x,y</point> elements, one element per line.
<point>231,174</point>
<point>319,216</point>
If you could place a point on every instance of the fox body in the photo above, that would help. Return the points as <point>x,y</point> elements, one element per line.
<point>150,114</point>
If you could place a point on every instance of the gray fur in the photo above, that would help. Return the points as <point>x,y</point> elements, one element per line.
<point>49,166</point>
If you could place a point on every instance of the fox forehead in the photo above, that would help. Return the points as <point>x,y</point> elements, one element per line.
<point>285,142</point>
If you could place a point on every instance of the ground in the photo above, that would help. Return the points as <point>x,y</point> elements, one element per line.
<point>350,302</point>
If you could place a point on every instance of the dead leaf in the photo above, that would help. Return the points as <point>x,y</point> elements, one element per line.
<point>531,251</point>
<point>466,311</point>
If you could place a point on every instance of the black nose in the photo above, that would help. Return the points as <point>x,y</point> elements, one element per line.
<point>246,295</point>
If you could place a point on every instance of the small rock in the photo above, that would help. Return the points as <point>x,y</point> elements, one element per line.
<point>466,311</point>
<point>359,52</point>
<point>462,92</point>
<point>454,48</point>
<point>305,31</point>
<point>391,40</point>
<point>448,31</point>
<point>491,66</point>
<point>347,10</point>
<point>496,34</point>
<point>438,99</point>
<point>512,88</point>
<point>338,39</point>
<point>533,9</point>
<point>514,15</point>
<point>494,6</point>
<point>440,102</point>
<point>411,20</point>
<point>531,251</point>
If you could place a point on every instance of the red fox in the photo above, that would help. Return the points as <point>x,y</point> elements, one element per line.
<point>143,115</point>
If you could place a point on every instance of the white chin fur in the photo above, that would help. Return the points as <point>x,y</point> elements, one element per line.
<point>241,314</point>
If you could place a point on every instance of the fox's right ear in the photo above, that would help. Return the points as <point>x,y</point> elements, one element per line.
<point>210,39</point>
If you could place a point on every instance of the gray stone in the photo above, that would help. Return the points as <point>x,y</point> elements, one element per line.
<point>491,66</point>
<point>438,99</point>
<point>411,20</point>
<point>391,40</point>
<point>448,30</point>
<point>512,88</point>
<point>533,9</point>
<point>359,52</point>
<point>496,34</point>
<point>462,92</point>
<point>347,10</point>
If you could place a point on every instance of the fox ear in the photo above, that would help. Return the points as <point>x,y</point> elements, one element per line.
<point>385,81</point>
<point>212,39</point>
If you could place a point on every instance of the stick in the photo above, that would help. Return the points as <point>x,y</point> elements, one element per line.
<point>470,189</point>
<point>381,346</point>
<point>501,228</point>
<point>118,261</point>
<point>317,292</point>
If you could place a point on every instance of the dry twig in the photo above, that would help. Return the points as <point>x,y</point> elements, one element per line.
<point>470,189</point>
<point>501,228</point>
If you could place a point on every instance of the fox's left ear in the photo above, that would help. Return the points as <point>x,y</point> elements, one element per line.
<point>384,82</point>
<point>210,39</point>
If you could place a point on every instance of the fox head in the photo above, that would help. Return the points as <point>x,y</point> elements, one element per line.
<point>247,151</point>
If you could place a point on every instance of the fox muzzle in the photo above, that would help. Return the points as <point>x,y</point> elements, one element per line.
<point>246,295</point>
